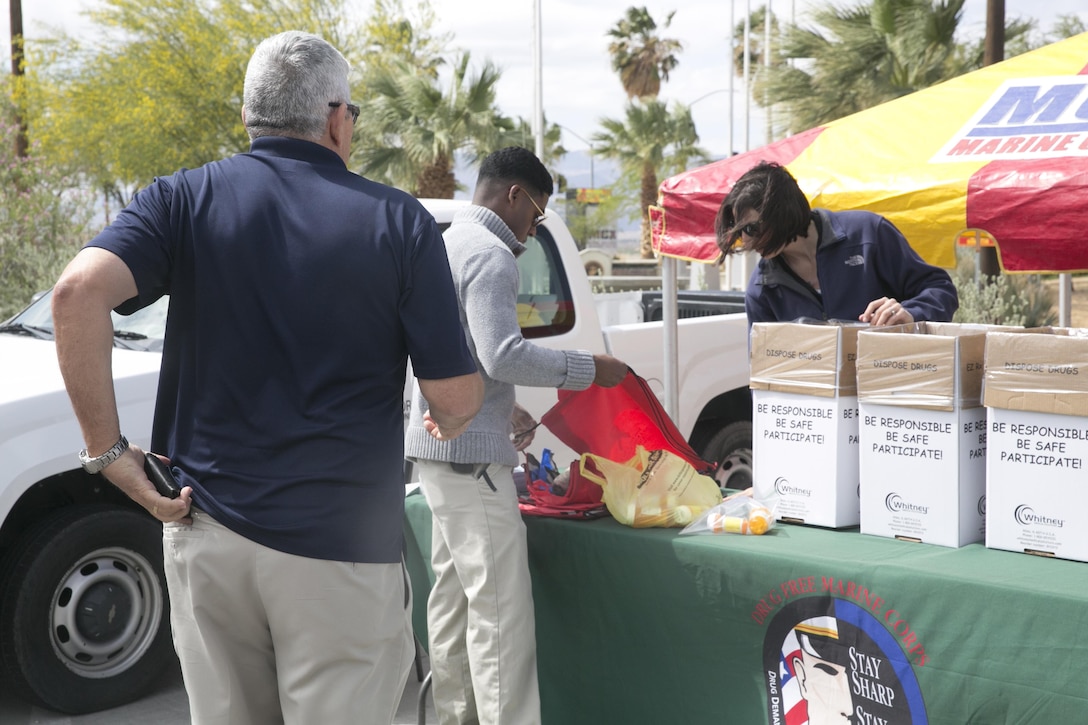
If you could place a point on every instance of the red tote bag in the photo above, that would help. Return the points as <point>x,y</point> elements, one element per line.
<point>580,500</point>
<point>611,422</point>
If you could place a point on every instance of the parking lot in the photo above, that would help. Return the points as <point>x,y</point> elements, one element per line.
<point>166,704</point>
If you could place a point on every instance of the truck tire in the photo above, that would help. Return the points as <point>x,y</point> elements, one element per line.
<point>84,617</point>
<point>732,448</point>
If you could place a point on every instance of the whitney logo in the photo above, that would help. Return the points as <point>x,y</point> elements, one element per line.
<point>783,487</point>
<point>1026,118</point>
<point>895,503</point>
<point>1025,516</point>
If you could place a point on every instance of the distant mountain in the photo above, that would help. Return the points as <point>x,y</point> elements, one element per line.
<point>577,167</point>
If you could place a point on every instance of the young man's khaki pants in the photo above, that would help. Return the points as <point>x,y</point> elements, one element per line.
<point>480,624</point>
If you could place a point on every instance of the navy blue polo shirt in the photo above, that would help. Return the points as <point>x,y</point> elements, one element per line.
<point>297,292</point>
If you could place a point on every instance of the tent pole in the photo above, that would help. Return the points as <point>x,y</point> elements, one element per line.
<point>669,316</point>
<point>1065,299</point>
<point>993,51</point>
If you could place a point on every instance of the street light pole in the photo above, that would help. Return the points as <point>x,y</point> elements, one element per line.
<point>747,75</point>
<point>767,66</point>
<point>708,94</point>
<point>732,71</point>
<point>538,84</point>
<point>592,185</point>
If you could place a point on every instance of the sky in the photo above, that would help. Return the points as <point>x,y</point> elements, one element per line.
<point>578,84</point>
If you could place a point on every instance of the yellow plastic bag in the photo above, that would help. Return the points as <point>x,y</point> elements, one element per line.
<point>654,488</point>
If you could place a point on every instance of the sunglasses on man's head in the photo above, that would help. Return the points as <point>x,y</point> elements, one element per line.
<point>352,109</point>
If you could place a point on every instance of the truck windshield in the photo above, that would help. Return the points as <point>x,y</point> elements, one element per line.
<point>142,330</point>
<point>545,306</point>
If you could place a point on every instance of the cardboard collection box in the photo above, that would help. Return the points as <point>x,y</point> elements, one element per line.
<point>1037,460</point>
<point>805,424</point>
<point>923,432</point>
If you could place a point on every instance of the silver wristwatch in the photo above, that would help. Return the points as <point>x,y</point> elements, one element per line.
<point>96,464</point>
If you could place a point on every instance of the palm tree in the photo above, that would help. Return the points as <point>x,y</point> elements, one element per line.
<point>395,33</point>
<point>412,129</point>
<point>856,57</point>
<point>756,36</point>
<point>1066,26</point>
<point>650,142</point>
<point>639,55</point>
<point>521,134</point>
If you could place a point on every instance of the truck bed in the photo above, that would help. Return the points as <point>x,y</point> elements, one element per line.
<point>694,303</point>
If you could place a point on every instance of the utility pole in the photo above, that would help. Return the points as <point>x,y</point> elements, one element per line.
<point>15,8</point>
<point>993,52</point>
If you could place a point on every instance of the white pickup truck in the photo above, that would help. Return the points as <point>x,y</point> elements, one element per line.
<point>83,611</point>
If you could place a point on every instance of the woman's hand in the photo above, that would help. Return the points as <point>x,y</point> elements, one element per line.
<point>886,311</point>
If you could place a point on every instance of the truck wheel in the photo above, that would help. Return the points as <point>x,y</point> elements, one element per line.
<point>84,618</point>
<point>732,448</point>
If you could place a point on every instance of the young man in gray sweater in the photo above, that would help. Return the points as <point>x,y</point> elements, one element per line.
<point>480,612</point>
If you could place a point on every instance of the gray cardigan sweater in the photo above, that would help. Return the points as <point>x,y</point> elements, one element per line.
<point>482,252</point>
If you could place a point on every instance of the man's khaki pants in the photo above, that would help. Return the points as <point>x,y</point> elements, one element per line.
<point>480,622</point>
<point>266,637</point>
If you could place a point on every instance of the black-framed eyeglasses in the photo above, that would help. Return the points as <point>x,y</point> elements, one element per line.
<point>352,109</point>
<point>543,214</point>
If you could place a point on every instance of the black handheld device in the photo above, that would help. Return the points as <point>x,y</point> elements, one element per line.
<point>160,475</point>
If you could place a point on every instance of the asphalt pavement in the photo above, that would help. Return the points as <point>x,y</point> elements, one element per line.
<point>166,704</point>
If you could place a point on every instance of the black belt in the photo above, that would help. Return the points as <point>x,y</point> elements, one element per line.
<point>476,470</point>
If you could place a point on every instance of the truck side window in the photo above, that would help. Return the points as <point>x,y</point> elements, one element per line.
<point>545,307</point>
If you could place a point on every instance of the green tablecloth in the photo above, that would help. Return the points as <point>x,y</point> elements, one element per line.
<point>646,626</point>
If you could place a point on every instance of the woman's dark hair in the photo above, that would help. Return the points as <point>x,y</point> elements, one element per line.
<point>784,212</point>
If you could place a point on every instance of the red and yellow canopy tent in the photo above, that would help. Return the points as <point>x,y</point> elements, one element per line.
<point>1002,150</point>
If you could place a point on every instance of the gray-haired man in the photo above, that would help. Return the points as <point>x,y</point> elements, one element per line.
<point>297,292</point>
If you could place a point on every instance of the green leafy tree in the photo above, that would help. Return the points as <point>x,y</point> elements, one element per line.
<point>522,135</point>
<point>756,37</point>
<point>44,221</point>
<point>649,143</point>
<point>585,221</point>
<point>417,128</point>
<point>395,34</point>
<point>642,58</point>
<point>157,85</point>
